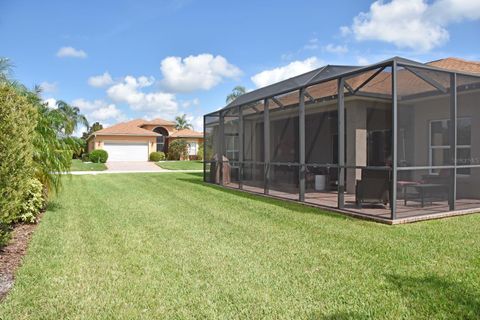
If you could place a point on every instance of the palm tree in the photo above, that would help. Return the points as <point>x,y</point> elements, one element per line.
<point>236,92</point>
<point>181,122</point>
<point>72,117</point>
<point>94,127</point>
<point>5,69</point>
<point>52,156</point>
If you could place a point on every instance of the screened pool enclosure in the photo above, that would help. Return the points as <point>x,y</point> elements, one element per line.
<point>391,141</point>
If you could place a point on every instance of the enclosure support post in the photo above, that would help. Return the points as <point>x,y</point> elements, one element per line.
<point>240,147</point>
<point>221,147</point>
<point>393,193</point>
<point>341,144</point>
<point>204,149</point>
<point>266,145</point>
<point>301,135</point>
<point>453,141</point>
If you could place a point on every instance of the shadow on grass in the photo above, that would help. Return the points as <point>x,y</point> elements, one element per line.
<point>53,206</point>
<point>432,297</point>
<point>283,203</point>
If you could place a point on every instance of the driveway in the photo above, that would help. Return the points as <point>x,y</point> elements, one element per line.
<point>133,166</point>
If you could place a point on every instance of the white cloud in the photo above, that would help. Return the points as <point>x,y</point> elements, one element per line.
<point>108,112</point>
<point>51,103</point>
<point>79,131</point>
<point>99,110</point>
<point>189,103</point>
<point>48,87</point>
<point>197,122</point>
<point>101,80</point>
<point>292,69</point>
<point>363,61</point>
<point>87,105</point>
<point>71,52</point>
<point>129,91</point>
<point>337,49</point>
<point>345,31</point>
<point>201,72</point>
<point>415,24</point>
<point>312,44</point>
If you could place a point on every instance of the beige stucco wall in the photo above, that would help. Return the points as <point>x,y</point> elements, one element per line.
<point>197,140</point>
<point>417,135</point>
<point>98,141</point>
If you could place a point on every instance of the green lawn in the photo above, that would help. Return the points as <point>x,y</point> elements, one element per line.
<point>181,165</point>
<point>114,247</point>
<point>78,165</point>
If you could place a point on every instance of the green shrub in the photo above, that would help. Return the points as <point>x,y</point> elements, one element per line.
<point>77,146</point>
<point>85,157</point>
<point>157,156</point>
<point>5,234</point>
<point>98,156</point>
<point>200,151</point>
<point>18,119</point>
<point>178,150</point>
<point>33,203</point>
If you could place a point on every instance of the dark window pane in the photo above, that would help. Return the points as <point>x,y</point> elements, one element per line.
<point>439,133</point>
<point>464,131</point>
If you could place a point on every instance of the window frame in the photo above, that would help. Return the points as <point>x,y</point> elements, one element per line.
<point>445,147</point>
<point>234,151</point>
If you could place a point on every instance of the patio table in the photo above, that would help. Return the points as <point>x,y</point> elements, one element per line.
<point>423,189</point>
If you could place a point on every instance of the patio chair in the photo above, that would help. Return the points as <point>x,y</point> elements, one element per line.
<point>373,188</point>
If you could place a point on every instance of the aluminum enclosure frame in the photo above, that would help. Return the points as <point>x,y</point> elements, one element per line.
<point>265,95</point>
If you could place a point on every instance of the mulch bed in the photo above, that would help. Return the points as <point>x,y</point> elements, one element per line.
<point>11,255</point>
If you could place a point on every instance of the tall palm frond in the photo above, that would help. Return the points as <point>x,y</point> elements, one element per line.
<point>72,117</point>
<point>236,92</point>
<point>181,122</point>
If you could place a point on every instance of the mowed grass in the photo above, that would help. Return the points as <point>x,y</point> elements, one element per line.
<point>168,246</point>
<point>181,165</point>
<point>79,165</point>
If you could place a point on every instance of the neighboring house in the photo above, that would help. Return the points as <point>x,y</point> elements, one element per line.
<point>134,140</point>
<point>333,129</point>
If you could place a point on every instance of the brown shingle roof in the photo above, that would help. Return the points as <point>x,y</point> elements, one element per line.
<point>187,133</point>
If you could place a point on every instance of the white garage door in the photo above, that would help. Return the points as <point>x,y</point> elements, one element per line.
<point>126,151</point>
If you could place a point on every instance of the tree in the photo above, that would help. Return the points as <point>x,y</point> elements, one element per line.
<point>18,119</point>
<point>53,151</point>
<point>236,92</point>
<point>72,117</point>
<point>5,68</point>
<point>181,122</point>
<point>178,150</point>
<point>96,126</point>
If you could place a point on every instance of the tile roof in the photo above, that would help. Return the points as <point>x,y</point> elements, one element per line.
<point>127,128</point>
<point>457,64</point>
<point>187,133</point>
<point>159,122</point>
<point>133,128</point>
<point>408,83</point>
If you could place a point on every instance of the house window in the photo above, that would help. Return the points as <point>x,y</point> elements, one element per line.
<point>231,147</point>
<point>439,147</point>
<point>192,148</point>
<point>160,143</point>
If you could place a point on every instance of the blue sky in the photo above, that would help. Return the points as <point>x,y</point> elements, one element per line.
<point>119,60</point>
